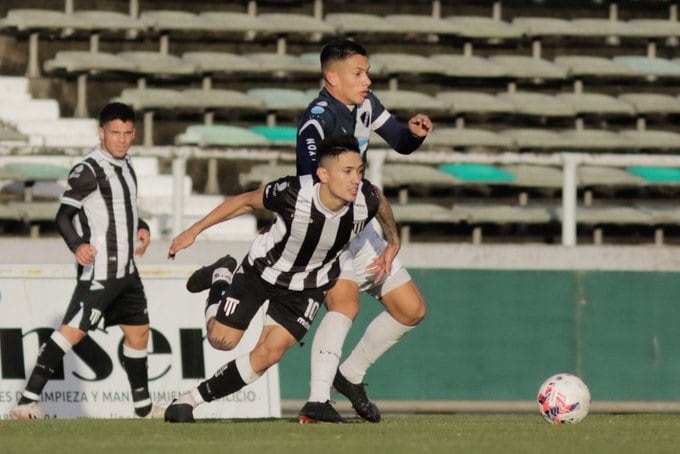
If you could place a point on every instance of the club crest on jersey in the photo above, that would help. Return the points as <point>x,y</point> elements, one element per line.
<point>358,226</point>
<point>317,110</point>
<point>77,170</point>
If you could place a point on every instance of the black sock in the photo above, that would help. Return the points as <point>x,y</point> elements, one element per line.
<point>49,358</point>
<point>138,376</point>
<point>226,381</point>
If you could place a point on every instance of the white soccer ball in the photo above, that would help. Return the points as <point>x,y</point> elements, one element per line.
<point>563,399</point>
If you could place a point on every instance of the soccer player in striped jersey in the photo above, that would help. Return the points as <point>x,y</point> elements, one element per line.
<point>291,264</point>
<point>99,222</point>
<point>346,104</point>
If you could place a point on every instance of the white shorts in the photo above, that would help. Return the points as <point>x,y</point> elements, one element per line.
<point>361,252</point>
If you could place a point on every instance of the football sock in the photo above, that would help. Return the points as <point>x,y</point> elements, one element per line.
<point>49,358</point>
<point>380,335</point>
<point>325,354</point>
<point>227,380</point>
<point>135,362</point>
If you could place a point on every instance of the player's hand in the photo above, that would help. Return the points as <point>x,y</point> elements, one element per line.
<point>143,240</point>
<point>381,266</point>
<point>420,125</point>
<point>181,241</point>
<point>85,254</point>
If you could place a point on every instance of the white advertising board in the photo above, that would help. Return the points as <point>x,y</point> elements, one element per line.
<point>93,383</point>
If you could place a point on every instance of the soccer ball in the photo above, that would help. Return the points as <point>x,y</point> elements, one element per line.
<point>563,399</point>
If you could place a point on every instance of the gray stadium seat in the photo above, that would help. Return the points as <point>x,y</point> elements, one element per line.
<point>76,61</point>
<point>281,64</point>
<point>174,20</point>
<point>468,66</point>
<point>652,139</point>
<point>595,139</point>
<point>221,62</point>
<point>607,176</point>
<point>485,27</point>
<point>542,26</point>
<point>352,23</point>
<point>467,138</point>
<point>526,67</point>
<point>295,23</point>
<point>652,103</point>
<point>532,103</point>
<point>220,135</point>
<point>158,64</point>
<point>534,138</point>
<point>281,98</point>
<point>475,102</point>
<point>404,63</point>
<point>409,101</point>
<point>646,66</point>
<point>592,66</point>
<point>535,176</point>
<point>228,21</point>
<point>422,24</point>
<point>596,103</point>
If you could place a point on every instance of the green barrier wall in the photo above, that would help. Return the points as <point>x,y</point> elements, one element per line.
<point>497,334</point>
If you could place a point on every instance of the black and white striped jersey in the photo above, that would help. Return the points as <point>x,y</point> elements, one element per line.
<point>103,190</point>
<point>302,247</point>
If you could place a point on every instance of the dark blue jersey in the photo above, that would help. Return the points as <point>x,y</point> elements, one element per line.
<point>326,115</point>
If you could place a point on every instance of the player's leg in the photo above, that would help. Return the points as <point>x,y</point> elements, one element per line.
<point>49,358</point>
<point>288,318</point>
<point>342,302</point>
<point>82,314</point>
<point>405,308</point>
<point>202,279</point>
<point>135,360</point>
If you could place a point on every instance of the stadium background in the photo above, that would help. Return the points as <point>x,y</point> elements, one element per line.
<point>502,316</point>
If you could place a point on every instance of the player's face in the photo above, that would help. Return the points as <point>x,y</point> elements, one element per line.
<point>349,79</point>
<point>340,177</point>
<point>116,136</point>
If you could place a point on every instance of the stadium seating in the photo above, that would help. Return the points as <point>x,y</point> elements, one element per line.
<point>522,76</point>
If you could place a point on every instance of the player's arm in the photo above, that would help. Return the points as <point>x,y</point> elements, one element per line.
<point>311,131</point>
<point>382,264</point>
<point>405,138</point>
<point>229,209</point>
<point>81,183</point>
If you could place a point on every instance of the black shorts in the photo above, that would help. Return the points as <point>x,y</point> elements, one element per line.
<point>294,310</point>
<point>116,301</point>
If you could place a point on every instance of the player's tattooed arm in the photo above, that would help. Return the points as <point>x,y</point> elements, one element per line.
<point>385,217</point>
<point>382,264</point>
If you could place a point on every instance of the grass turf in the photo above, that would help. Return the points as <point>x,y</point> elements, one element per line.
<point>598,433</point>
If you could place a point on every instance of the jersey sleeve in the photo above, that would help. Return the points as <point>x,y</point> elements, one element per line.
<point>317,122</point>
<point>399,136</point>
<point>279,195</point>
<point>81,183</point>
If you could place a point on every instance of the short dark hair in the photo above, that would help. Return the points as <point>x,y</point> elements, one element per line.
<point>336,144</point>
<point>116,111</point>
<point>340,49</point>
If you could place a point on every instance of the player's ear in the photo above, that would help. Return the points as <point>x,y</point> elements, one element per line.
<point>101,134</point>
<point>331,78</point>
<point>322,174</point>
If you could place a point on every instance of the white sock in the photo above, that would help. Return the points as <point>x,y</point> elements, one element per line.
<point>211,311</point>
<point>192,398</point>
<point>326,353</point>
<point>380,335</point>
<point>245,369</point>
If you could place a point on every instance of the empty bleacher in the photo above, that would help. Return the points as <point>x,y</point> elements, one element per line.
<point>513,76</point>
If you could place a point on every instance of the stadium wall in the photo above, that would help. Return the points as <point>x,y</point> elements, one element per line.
<point>500,320</point>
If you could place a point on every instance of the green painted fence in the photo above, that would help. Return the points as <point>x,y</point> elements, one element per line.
<point>497,334</point>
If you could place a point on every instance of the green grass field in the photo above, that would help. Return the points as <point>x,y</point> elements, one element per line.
<point>598,433</point>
